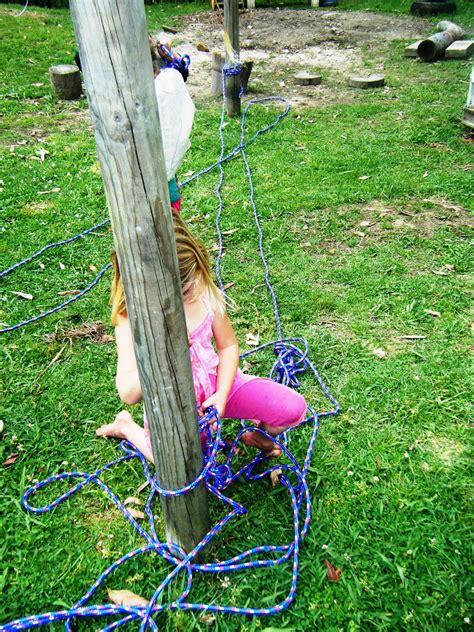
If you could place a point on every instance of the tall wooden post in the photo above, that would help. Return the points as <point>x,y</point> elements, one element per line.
<point>232,43</point>
<point>116,62</point>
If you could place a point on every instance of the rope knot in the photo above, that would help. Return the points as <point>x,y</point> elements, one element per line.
<point>234,69</point>
<point>290,361</point>
<point>219,475</point>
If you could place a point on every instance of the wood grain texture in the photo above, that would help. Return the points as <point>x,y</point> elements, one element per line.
<point>232,82</point>
<point>113,45</point>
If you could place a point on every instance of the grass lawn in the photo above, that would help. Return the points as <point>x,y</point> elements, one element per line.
<point>365,210</point>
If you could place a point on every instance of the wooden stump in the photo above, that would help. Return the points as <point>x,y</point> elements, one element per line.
<point>307,79</point>
<point>216,74</point>
<point>66,81</point>
<point>372,81</point>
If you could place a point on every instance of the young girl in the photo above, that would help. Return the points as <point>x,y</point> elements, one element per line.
<point>217,379</point>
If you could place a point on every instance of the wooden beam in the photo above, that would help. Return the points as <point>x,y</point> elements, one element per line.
<point>232,43</point>
<point>116,62</point>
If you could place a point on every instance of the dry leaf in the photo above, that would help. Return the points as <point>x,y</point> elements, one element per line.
<point>37,84</point>
<point>53,190</point>
<point>41,266</point>
<point>215,248</point>
<point>62,266</point>
<point>28,297</point>
<point>333,574</point>
<point>432,312</point>
<point>379,352</point>
<point>252,340</point>
<point>93,267</point>
<point>228,285</point>
<point>364,177</point>
<point>274,476</point>
<point>1,425</point>
<point>426,174</point>
<point>245,366</point>
<point>42,153</point>
<point>230,231</point>
<point>68,292</point>
<point>142,487</point>
<point>207,618</point>
<point>107,338</point>
<point>188,174</point>
<point>11,459</point>
<point>136,513</point>
<point>126,598</point>
<point>132,500</point>
<point>367,223</point>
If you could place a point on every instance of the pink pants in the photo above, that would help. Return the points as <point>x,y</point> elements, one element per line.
<point>259,399</point>
<point>262,399</point>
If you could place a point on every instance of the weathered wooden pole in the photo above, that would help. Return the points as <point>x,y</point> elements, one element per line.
<point>232,46</point>
<point>116,63</point>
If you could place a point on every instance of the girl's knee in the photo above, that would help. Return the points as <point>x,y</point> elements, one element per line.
<point>297,409</point>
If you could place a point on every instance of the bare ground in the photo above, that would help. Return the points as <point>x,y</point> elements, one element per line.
<point>284,42</point>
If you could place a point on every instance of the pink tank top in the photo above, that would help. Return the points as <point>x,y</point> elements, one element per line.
<point>204,359</point>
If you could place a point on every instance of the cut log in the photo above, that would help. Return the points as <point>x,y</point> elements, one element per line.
<point>307,79</point>
<point>66,81</point>
<point>461,49</point>
<point>433,47</point>
<point>216,74</point>
<point>372,81</point>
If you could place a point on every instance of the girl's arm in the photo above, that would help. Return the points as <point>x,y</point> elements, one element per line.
<point>126,380</point>
<point>228,352</point>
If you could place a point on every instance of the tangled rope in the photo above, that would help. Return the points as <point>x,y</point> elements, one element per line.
<point>216,475</point>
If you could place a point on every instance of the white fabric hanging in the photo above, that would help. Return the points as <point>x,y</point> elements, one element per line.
<point>176,110</point>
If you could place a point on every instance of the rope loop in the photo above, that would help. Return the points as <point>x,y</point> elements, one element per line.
<point>219,475</point>
<point>234,69</point>
<point>290,361</point>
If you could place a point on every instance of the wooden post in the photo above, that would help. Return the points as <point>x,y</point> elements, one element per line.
<point>116,62</point>
<point>232,43</point>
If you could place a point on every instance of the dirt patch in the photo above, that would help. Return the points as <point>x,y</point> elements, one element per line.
<point>444,450</point>
<point>94,331</point>
<point>284,42</point>
<point>424,217</point>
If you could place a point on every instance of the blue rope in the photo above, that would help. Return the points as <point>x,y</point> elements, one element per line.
<point>77,296</point>
<point>217,476</point>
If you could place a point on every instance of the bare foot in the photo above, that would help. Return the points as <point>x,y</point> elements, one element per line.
<point>257,440</point>
<point>117,428</point>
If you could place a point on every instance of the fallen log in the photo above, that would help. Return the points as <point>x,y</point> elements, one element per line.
<point>434,47</point>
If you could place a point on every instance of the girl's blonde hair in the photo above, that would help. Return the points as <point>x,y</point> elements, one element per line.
<point>194,271</point>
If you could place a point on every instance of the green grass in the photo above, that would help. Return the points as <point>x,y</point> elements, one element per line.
<point>356,263</point>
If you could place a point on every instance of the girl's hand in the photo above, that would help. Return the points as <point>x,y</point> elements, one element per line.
<point>218,400</point>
